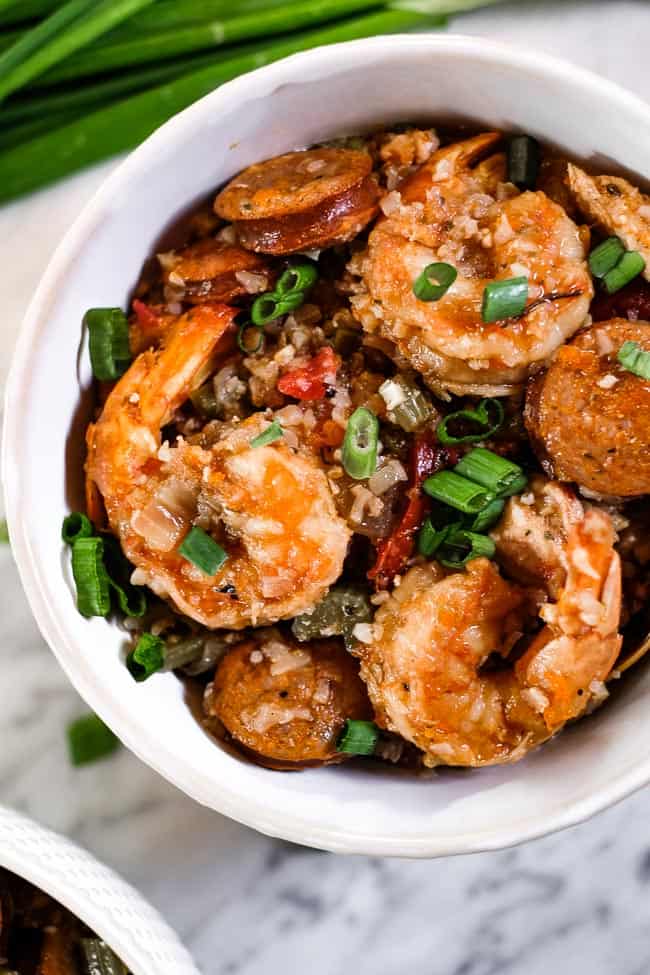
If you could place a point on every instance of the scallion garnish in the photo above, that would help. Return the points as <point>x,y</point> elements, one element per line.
<point>504,299</point>
<point>434,282</point>
<point>108,339</point>
<point>430,538</point>
<point>266,308</point>
<point>99,565</point>
<point>244,332</point>
<point>201,550</point>
<point>147,658</point>
<point>358,738</point>
<point>4,532</point>
<point>496,474</point>
<point>297,277</point>
<point>91,577</point>
<point>479,416</point>
<point>487,517</point>
<point>605,257</point>
<point>131,599</point>
<point>458,492</point>
<point>359,453</point>
<point>523,161</point>
<point>76,525</point>
<point>89,740</point>
<point>635,359</point>
<point>461,546</point>
<point>272,433</point>
<point>629,267</point>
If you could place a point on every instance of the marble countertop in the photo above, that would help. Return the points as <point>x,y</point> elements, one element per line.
<point>245,904</point>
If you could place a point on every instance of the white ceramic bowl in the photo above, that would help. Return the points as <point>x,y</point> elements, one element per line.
<point>296,102</point>
<point>96,895</point>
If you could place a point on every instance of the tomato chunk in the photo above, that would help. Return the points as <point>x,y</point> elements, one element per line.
<point>393,553</point>
<point>310,382</point>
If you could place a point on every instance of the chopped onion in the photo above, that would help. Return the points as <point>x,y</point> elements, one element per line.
<point>387,477</point>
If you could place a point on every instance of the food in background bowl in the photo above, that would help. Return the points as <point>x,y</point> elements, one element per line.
<point>38,936</point>
<point>336,473</point>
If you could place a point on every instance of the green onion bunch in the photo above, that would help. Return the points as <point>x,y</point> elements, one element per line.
<point>82,80</point>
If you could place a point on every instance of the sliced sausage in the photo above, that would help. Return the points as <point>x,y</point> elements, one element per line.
<point>213,270</point>
<point>301,201</point>
<point>589,418</point>
<point>287,702</point>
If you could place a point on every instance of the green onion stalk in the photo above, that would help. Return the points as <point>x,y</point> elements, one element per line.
<point>141,48</point>
<point>122,126</point>
<point>74,25</point>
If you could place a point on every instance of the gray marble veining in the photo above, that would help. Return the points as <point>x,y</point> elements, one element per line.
<point>576,902</point>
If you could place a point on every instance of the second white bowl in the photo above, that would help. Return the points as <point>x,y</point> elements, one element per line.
<point>96,895</point>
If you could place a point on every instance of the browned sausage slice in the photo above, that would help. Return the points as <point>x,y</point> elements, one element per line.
<point>213,270</point>
<point>302,200</point>
<point>589,418</point>
<point>287,702</point>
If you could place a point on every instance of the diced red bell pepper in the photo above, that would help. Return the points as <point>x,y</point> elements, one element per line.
<point>427,457</point>
<point>310,382</point>
<point>147,317</point>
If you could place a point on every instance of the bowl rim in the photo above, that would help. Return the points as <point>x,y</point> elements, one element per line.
<point>288,825</point>
<point>48,859</point>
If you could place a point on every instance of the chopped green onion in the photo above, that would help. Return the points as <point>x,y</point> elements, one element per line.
<point>272,433</point>
<point>605,257</point>
<point>76,525</point>
<point>147,658</point>
<point>523,161</point>
<point>4,532</point>
<point>635,359</point>
<point>504,299</point>
<point>266,308</point>
<point>430,538</point>
<point>99,959</point>
<point>247,329</point>
<point>108,337</point>
<point>434,282</point>
<point>488,517</point>
<point>336,614</point>
<point>497,474</point>
<point>461,546</point>
<point>358,738</point>
<point>298,277</point>
<point>628,268</point>
<point>201,550</point>
<point>458,492</point>
<point>91,577</point>
<point>360,444</point>
<point>89,740</point>
<point>131,599</point>
<point>479,416</point>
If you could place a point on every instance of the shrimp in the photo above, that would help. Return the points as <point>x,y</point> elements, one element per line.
<point>456,211</point>
<point>617,206</point>
<point>269,507</point>
<point>424,666</point>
